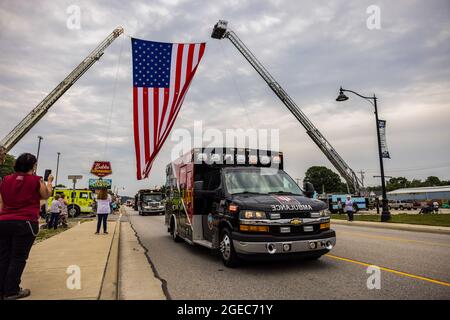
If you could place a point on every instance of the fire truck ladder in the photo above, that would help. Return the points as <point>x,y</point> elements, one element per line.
<point>221,31</point>
<point>8,142</point>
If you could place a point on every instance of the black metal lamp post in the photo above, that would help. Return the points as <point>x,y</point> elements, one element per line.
<point>385,214</point>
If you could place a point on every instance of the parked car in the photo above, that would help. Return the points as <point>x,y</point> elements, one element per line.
<point>402,205</point>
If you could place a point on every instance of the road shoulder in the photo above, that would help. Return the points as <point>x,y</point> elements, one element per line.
<point>137,280</point>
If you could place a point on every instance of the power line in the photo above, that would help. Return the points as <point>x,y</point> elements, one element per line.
<point>403,169</point>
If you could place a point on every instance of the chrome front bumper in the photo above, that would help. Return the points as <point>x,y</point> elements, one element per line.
<point>284,247</point>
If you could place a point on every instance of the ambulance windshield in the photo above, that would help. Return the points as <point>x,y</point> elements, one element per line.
<point>260,181</point>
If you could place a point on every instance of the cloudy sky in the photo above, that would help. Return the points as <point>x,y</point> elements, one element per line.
<point>310,47</point>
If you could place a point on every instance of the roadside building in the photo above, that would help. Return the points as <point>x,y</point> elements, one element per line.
<point>421,194</point>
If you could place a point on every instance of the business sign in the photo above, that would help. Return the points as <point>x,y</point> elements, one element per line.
<point>75,177</point>
<point>101,168</point>
<point>382,128</point>
<point>100,184</point>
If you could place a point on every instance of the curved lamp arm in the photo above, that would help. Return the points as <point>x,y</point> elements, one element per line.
<point>370,99</point>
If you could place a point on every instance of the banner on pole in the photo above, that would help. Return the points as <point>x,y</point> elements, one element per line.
<point>384,150</point>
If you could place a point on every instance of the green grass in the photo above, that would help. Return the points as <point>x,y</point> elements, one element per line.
<point>48,233</point>
<point>423,219</point>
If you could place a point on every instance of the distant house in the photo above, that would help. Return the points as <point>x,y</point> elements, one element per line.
<point>420,194</point>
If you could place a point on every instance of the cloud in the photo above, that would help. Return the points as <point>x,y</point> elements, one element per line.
<point>311,48</point>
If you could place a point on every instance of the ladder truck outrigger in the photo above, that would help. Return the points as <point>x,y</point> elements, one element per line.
<point>222,31</point>
<point>8,142</point>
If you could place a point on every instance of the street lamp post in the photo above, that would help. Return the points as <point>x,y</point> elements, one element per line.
<point>38,150</point>
<point>57,168</point>
<point>385,214</point>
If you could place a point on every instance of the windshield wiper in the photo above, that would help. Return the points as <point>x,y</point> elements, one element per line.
<point>281,192</point>
<point>246,192</point>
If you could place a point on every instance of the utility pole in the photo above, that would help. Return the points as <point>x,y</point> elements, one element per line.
<point>57,168</point>
<point>362,177</point>
<point>38,150</point>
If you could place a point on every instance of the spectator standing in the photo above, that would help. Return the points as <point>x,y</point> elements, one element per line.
<point>436,207</point>
<point>20,195</point>
<point>55,210</point>
<point>103,209</point>
<point>349,208</point>
<point>64,213</point>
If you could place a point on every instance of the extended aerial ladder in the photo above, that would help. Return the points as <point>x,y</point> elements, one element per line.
<point>222,31</point>
<point>41,109</point>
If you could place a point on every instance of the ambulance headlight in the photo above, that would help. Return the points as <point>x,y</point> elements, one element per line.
<point>324,213</point>
<point>247,214</point>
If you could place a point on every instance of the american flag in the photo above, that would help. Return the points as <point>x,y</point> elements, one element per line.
<point>162,73</point>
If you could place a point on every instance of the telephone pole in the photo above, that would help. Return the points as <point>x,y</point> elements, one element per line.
<point>362,177</point>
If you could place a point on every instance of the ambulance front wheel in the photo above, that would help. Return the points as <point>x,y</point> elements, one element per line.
<point>227,252</point>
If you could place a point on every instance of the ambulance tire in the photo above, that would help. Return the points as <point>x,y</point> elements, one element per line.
<point>173,231</point>
<point>227,252</point>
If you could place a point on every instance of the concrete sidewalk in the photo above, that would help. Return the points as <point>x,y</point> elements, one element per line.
<point>394,226</point>
<point>102,260</point>
<point>46,270</point>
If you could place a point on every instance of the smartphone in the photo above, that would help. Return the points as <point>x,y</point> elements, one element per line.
<point>46,174</point>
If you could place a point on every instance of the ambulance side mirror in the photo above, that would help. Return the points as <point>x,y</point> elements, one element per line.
<point>308,189</point>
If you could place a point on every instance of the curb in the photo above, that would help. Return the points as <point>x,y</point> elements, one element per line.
<point>395,226</point>
<point>109,289</point>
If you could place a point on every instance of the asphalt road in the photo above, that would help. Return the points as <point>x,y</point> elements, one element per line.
<point>414,266</point>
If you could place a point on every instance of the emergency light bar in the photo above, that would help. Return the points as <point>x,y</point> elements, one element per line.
<point>237,156</point>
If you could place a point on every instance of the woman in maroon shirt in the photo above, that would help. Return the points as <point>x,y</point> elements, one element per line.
<point>20,195</point>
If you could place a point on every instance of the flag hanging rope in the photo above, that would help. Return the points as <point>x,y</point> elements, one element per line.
<point>111,108</point>
<point>236,87</point>
<point>162,74</point>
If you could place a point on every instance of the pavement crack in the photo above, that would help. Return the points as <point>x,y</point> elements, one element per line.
<point>152,265</point>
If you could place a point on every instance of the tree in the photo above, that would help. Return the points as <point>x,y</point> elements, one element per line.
<point>324,179</point>
<point>7,167</point>
<point>432,181</point>
<point>397,183</point>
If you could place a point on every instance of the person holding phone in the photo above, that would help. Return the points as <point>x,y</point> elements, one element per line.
<point>20,195</point>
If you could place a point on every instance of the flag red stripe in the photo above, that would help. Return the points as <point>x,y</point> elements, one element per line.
<point>189,61</point>
<point>146,123</point>
<point>136,132</point>
<point>201,52</point>
<point>177,80</point>
<point>166,103</point>
<point>155,116</point>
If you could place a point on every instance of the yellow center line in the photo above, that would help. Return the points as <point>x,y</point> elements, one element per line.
<point>405,274</point>
<point>391,238</point>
